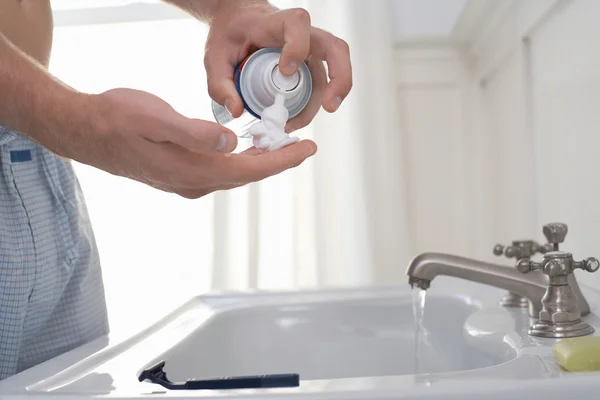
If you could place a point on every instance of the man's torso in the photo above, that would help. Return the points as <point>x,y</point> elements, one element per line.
<point>28,25</point>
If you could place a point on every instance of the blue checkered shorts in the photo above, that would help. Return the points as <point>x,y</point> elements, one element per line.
<point>51,291</point>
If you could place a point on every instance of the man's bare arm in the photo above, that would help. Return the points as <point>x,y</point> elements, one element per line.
<point>38,105</point>
<point>205,10</point>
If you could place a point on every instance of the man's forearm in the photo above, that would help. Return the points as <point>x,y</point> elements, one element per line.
<point>34,103</point>
<point>205,10</point>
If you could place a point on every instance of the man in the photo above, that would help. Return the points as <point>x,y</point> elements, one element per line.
<point>51,291</point>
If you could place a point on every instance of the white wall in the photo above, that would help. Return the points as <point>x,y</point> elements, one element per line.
<point>536,75</point>
<point>510,180</point>
<point>565,64</point>
<point>430,83</point>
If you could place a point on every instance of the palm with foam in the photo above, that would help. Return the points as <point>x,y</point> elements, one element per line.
<point>269,134</point>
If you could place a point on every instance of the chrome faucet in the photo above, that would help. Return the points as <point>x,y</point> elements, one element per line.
<point>525,249</point>
<point>560,316</point>
<point>425,267</point>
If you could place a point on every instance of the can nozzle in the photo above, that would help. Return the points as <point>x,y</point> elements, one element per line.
<point>280,100</point>
<point>284,83</point>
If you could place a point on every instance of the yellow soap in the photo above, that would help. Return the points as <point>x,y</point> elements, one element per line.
<point>580,354</point>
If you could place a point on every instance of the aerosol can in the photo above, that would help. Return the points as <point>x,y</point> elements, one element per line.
<point>258,82</point>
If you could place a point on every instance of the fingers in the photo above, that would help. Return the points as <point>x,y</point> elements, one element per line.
<point>219,67</point>
<point>193,175</point>
<point>245,168</point>
<point>319,76</point>
<point>296,34</point>
<point>336,54</point>
<point>288,29</point>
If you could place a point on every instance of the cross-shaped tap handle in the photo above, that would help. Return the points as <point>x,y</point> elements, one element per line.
<point>519,249</point>
<point>558,264</point>
<point>555,234</point>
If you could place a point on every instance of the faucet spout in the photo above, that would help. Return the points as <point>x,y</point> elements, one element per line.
<point>425,267</point>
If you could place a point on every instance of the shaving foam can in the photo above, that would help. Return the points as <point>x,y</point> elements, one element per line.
<point>257,79</point>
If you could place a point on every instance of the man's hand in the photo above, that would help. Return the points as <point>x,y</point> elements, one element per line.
<point>143,138</point>
<point>239,27</point>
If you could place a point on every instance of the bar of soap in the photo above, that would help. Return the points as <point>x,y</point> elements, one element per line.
<point>580,354</point>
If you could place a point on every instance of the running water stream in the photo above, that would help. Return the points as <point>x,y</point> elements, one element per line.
<point>418,310</point>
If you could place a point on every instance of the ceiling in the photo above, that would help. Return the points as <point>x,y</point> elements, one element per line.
<point>425,18</point>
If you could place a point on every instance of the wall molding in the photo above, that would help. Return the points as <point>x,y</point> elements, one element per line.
<point>491,31</point>
<point>472,19</point>
<point>534,13</point>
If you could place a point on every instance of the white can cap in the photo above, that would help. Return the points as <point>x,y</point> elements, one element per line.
<point>285,83</point>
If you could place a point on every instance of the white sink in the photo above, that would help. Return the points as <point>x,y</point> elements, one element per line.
<point>334,339</point>
<point>347,343</point>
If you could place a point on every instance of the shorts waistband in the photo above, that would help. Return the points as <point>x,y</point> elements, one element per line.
<point>6,135</point>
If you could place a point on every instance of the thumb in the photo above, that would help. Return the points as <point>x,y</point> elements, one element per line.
<point>204,137</point>
<point>163,124</point>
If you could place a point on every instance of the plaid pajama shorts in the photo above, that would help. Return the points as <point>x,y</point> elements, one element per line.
<point>51,290</point>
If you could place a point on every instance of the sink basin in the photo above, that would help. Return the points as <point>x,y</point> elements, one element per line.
<point>331,340</point>
<point>344,344</point>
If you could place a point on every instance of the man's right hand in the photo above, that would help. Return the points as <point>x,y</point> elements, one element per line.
<point>139,136</point>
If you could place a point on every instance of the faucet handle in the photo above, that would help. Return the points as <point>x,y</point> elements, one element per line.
<point>525,265</point>
<point>519,249</point>
<point>590,264</point>
<point>555,233</point>
<point>498,250</point>
<point>558,265</point>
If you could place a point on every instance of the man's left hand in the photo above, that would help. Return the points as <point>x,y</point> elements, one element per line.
<point>240,27</point>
